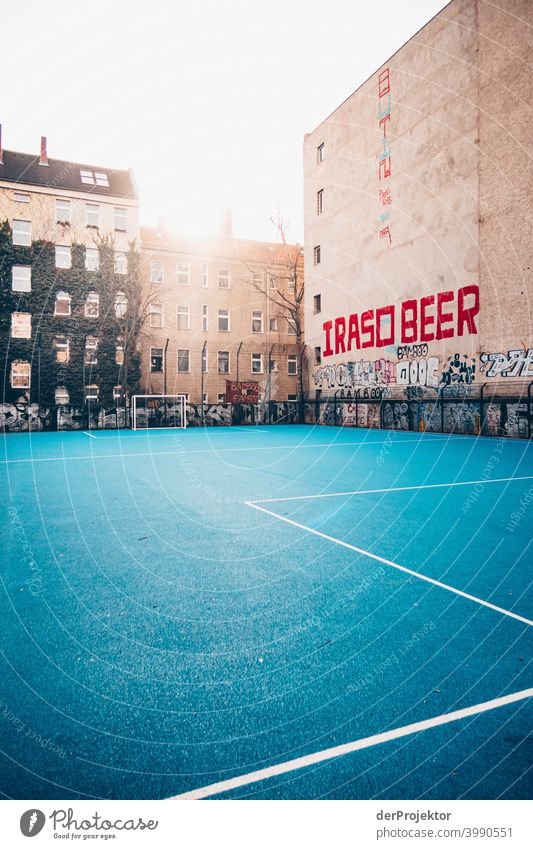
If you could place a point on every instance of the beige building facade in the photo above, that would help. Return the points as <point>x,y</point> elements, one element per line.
<point>417,191</point>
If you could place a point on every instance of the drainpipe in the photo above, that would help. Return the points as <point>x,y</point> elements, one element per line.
<point>482,422</point>
<point>165,381</point>
<point>269,385</point>
<point>529,409</point>
<point>202,377</point>
<point>238,352</point>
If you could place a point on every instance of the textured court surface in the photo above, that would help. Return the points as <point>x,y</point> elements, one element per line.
<point>177,612</point>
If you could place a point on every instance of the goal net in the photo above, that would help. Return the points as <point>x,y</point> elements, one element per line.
<point>158,411</point>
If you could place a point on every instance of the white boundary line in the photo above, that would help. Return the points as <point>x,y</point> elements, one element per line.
<point>353,746</point>
<point>390,489</point>
<point>86,432</point>
<point>391,563</point>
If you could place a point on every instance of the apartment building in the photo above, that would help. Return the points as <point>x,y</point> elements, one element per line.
<point>65,234</point>
<point>417,191</point>
<point>217,313</point>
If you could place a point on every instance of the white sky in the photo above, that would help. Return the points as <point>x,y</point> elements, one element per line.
<point>208,101</point>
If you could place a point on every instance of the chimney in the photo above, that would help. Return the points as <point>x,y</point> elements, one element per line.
<point>1,162</point>
<point>44,156</point>
<point>226,223</point>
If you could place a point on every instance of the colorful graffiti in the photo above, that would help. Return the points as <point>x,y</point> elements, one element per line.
<point>515,363</point>
<point>355,374</point>
<point>384,155</point>
<point>423,372</point>
<point>23,416</point>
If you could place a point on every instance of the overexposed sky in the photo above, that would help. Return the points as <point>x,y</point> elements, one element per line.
<point>207,100</point>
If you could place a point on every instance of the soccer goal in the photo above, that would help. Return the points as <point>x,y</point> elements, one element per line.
<point>158,411</point>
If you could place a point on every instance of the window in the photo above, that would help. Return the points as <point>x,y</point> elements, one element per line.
<point>183,361</point>
<point>90,178</point>
<point>205,317</point>
<point>87,177</point>
<point>292,364</point>
<point>223,278</point>
<point>291,328</point>
<point>121,218</point>
<point>63,257</point>
<point>205,398</point>
<point>121,305</point>
<point>205,276</point>
<point>21,325</point>
<point>182,274</point>
<point>156,271</point>
<point>318,355</point>
<point>61,396</point>
<point>92,259</point>
<point>155,311</point>
<point>223,320</point>
<point>101,178</point>
<point>156,359</point>
<point>273,324</point>
<point>62,348</point>
<point>91,392</point>
<point>204,360</point>
<point>320,202</point>
<point>291,286</point>
<point>92,305</point>
<point>223,362</point>
<point>91,351</point>
<point>273,282</point>
<point>21,232</point>
<point>62,211</point>
<point>117,393</point>
<point>316,255</point>
<point>20,374</point>
<point>257,322</point>
<point>92,214</point>
<point>121,262</point>
<point>257,281</point>
<point>257,364</point>
<point>62,304</point>
<point>291,398</point>
<point>184,316</point>
<point>119,351</point>
<point>321,152</point>
<point>221,398</point>
<point>21,278</point>
<point>273,366</point>
<point>20,197</point>
<point>317,303</point>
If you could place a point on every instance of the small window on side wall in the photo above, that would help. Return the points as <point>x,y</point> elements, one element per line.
<point>20,374</point>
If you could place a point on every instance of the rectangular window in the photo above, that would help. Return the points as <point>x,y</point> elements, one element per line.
<point>320,202</point>
<point>223,278</point>
<point>321,152</point>
<point>273,282</point>
<point>204,360</point>
<point>121,262</point>
<point>117,393</point>
<point>223,320</point>
<point>20,374</point>
<point>155,311</point>
<point>273,366</point>
<point>317,304</point>
<point>20,197</point>
<point>21,278</point>
<point>205,398</point>
<point>62,211</point>
<point>91,392</point>
<point>61,396</point>
<point>221,398</point>
<point>291,398</point>
<point>121,218</point>
<point>291,286</point>
<point>91,349</point>
<point>121,304</point>
<point>205,317</point>
<point>92,259</point>
<point>257,281</point>
<point>21,232</point>
<point>21,325</point>
<point>156,359</point>
<point>316,255</point>
<point>119,351</point>
<point>273,324</point>
<point>92,214</point>
<point>257,364</point>
<point>92,305</point>
<point>205,275</point>
<point>156,271</point>
<point>292,364</point>
<point>291,329</point>
<point>101,179</point>
<point>182,274</point>
<point>87,177</point>
<point>318,355</point>
<point>223,362</point>
<point>63,256</point>
<point>257,322</point>
<point>184,316</point>
<point>62,304</point>
<point>183,361</point>
<point>62,348</point>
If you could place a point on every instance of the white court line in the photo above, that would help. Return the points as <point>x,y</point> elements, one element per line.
<point>389,489</point>
<point>123,455</point>
<point>353,746</point>
<point>86,432</point>
<point>391,563</point>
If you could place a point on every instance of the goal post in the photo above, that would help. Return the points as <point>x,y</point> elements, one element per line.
<point>158,411</point>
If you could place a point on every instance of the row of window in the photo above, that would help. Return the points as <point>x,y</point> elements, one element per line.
<point>157,357</point>
<point>156,318</point>
<point>183,276</point>
<point>21,321</point>
<point>22,227</point>
<point>21,274</point>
